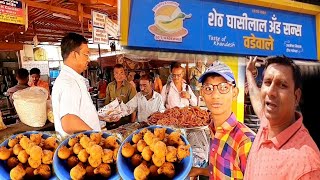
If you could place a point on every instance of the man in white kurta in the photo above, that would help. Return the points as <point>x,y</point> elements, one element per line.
<point>73,108</point>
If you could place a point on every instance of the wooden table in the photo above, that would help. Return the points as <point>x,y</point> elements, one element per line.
<point>21,127</point>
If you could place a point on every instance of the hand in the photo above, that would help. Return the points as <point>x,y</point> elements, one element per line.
<point>251,66</point>
<point>185,94</point>
<point>195,172</point>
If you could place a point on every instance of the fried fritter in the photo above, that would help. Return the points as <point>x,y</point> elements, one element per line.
<point>50,143</point>
<point>158,161</point>
<point>43,170</point>
<point>148,137</point>
<point>34,163</point>
<point>77,172</point>
<point>160,149</point>
<point>141,145</point>
<point>23,156</point>
<point>171,155</point>
<point>17,173</point>
<point>12,142</point>
<point>136,160</point>
<point>111,142</point>
<point>107,156</point>
<point>83,156</point>
<point>174,139</point>
<point>136,138</point>
<point>16,149</point>
<point>4,153</point>
<point>183,151</point>
<point>160,133</point>
<point>141,172</point>
<point>73,141</point>
<point>47,156</point>
<point>153,171</point>
<point>167,169</point>
<point>77,148</point>
<point>96,137</point>
<point>127,150</point>
<point>72,161</point>
<point>36,138</point>
<point>103,169</point>
<point>147,153</point>
<point>64,152</point>
<point>12,162</point>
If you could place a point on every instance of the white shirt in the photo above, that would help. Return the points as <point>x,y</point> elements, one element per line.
<point>174,99</point>
<point>70,96</point>
<point>146,107</point>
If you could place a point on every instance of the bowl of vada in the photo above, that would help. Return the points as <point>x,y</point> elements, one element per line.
<point>154,152</point>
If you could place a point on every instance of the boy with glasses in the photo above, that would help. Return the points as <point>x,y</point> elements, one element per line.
<point>230,140</point>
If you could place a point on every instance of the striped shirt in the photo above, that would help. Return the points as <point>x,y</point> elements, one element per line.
<point>229,150</point>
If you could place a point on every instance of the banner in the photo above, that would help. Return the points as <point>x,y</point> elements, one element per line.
<point>11,11</point>
<point>223,27</point>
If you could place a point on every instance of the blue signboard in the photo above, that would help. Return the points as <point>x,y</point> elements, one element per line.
<point>223,27</point>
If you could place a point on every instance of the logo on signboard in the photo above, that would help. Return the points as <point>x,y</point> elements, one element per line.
<point>168,22</point>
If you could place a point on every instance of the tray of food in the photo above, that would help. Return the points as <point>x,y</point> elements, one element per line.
<point>155,152</point>
<point>28,155</point>
<point>185,118</point>
<point>87,155</point>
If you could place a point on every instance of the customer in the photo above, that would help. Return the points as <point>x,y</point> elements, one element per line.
<point>283,147</point>
<point>22,77</point>
<point>73,108</point>
<point>231,140</point>
<point>121,89</point>
<point>147,101</point>
<point>36,81</point>
<point>176,93</point>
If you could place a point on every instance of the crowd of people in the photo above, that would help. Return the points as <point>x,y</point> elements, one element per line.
<point>281,149</point>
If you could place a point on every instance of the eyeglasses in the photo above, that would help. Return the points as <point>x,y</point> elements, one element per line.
<point>176,75</point>
<point>223,88</point>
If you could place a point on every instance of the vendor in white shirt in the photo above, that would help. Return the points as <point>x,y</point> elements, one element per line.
<point>177,93</point>
<point>147,101</point>
<point>73,108</point>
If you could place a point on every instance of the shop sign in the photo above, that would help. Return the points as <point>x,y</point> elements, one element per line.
<point>11,11</point>
<point>112,28</point>
<point>98,19</point>
<point>223,27</point>
<point>100,36</point>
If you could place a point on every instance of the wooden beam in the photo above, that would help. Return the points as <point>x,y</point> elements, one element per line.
<point>11,46</point>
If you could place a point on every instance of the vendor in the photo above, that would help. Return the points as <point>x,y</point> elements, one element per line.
<point>121,89</point>
<point>147,101</point>
<point>36,81</point>
<point>73,108</point>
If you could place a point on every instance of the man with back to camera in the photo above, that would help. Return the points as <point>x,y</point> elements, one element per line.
<point>22,77</point>
<point>73,108</point>
<point>283,147</point>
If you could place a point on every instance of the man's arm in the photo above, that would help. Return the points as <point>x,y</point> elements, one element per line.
<point>132,94</point>
<point>72,124</point>
<point>107,101</point>
<point>195,171</point>
<point>254,90</point>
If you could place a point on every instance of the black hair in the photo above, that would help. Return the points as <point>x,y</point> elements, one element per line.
<point>118,66</point>
<point>35,71</point>
<point>22,74</point>
<point>146,77</point>
<point>283,60</point>
<point>71,42</point>
<point>175,65</point>
<point>136,76</point>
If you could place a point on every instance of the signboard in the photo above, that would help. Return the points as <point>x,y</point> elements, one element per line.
<point>223,27</point>
<point>111,27</point>
<point>11,11</point>
<point>98,19</point>
<point>100,36</point>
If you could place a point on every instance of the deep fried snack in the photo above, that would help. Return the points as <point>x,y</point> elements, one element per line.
<point>160,133</point>
<point>96,151</point>
<point>136,160</point>
<point>141,145</point>
<point>103,169</point>
<point>148,136</point>
<point>89,146</point>
<point>36,138</point>
<point>30,145</point>
<point>158,160</point>
<point>12,142</point>
<point>50,143</point>
<point>96,137</point>
<point>174,139</point>
<point>115,154</point>
<point>24,141</point>
<point>36,152</point>
<point>73,141</point>
<point>47,156</point>
<point>17,173</point>
<point>167,169</point>
<point>147,153</point>
<point>4,153</point>
<point>111,142</point>
<point>23,156</point>
<point>16,149</point>
<point>72,161</point>
<point>84,141</point>
<point>160,149</point>
<point>43,170</point>
<point>94,161</point>
<point>183,151</point>
<point>107,156</point>
<point>171,155</point>
<point>136,138</point>
<point>153,170</point>
<point>127,150</point>
<point>64,152</point>
<point>83,156</point>
<point>89,171</point>
<point>135,148</point>
<point>34,163</point>
<point>12,162</point>
<point>77,172</point>
<point>77,148</point>
<point>141,172</point>
<point>29,172</point>
<point>154,141</point>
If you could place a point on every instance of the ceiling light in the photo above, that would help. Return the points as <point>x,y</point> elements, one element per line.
<point>61,16</point>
